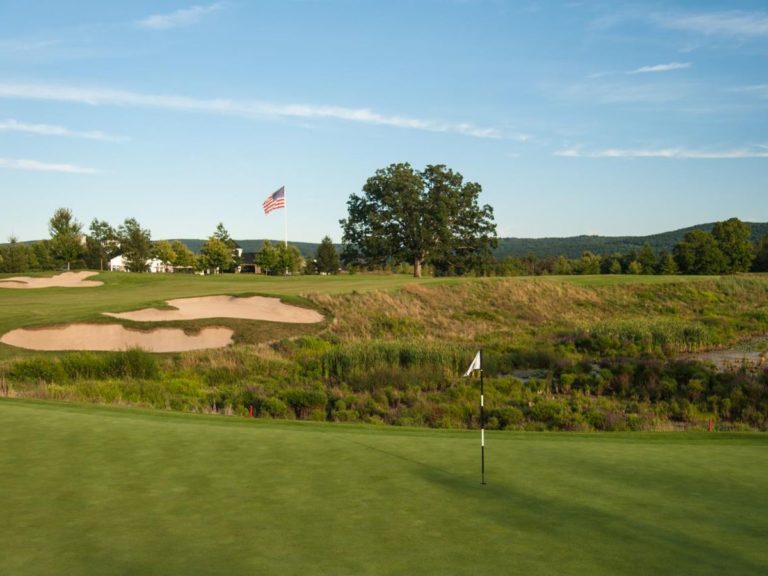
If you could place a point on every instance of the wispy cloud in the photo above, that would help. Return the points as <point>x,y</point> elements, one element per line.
<point>243,109</point>
<point>733,23</point>
<point>179,18</point>
<point>12,125</point>
<point>661,68</point>
<point>37,166</point>
<point>672,153</point>
<point>25,45</point>
<point>760,90</point>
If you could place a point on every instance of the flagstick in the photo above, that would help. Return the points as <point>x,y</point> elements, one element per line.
<point>482,424</point>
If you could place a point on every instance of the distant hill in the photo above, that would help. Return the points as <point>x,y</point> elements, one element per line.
<point>307,249</point>
<point>575,246</point>
<point>571,247</point>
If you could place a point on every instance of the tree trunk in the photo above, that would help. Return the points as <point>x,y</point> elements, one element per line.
<point>417,268</point>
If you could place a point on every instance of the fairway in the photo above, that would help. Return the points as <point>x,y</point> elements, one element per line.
<point>96,490</point>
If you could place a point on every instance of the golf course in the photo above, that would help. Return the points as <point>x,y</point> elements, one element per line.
<point>103,468</point>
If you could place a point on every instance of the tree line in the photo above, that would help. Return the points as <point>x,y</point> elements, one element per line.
<point>71,247</point>
<point>727,249</point>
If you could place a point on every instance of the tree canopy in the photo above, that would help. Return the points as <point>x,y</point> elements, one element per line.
<point>416,217</point>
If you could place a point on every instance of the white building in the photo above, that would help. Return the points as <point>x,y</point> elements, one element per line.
<point>118,264</point>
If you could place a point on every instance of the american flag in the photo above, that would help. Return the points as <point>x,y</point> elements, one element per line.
<point>274,201</point>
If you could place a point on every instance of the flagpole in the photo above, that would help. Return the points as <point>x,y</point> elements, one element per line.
<point>482,423</point>
<point>285,217</point>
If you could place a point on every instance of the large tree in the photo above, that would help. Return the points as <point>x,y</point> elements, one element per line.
<point>430,216</point>
<point>66,236</point>
<point>699,253</point>
<point>733,240</point>
<point>136,245</point>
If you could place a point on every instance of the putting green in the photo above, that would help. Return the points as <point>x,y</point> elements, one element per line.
<point>94,490</point>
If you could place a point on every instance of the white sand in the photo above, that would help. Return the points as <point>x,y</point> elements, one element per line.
<point>115,337</point>
<point>63,280</point>
<point>253,308</point>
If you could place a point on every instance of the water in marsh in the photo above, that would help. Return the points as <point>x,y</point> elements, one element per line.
<point>750,354</point>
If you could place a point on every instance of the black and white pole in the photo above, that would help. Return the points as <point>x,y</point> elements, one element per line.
<point>482,423</point>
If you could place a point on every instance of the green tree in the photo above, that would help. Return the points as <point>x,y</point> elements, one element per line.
<point>66,236</point>
<point>326,258</point>
<point>699,253</point>
<point>667,264</point>
<point>101,243</point>
<point>163,251</point>
<point>216,255</point>
<point>222,234</point>
<point>760,263</point>
<point>615,266</point>
<point>267,258</point>
<point>16,257</point>
<point>732,238</point>
<point>289,259</point>
<point>183,256</point>
<point>418,217</point>
<point>42,251</point>
<point>135,244</point>
<point>647,259</point>
<point>589,263</point>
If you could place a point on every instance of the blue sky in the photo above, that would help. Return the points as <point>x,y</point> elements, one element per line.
<point>575,117</point>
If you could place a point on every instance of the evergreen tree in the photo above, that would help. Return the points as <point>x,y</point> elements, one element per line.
<point>327,259</point>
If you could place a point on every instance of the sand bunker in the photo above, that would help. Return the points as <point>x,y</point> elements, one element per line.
<point>114,337</point>
<point>63,280</point>
<point>253,308</point>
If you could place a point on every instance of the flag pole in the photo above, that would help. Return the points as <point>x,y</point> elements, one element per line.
<point>482,423</point>
<point>285,217</point>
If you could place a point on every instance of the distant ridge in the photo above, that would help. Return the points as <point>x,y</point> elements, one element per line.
<point>571,246</point>
<point>575,246</point>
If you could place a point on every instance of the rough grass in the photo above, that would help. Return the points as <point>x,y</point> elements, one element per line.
<point>115,491</point>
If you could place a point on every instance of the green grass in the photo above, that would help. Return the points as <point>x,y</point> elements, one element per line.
<point>122,292</point>
<point>95,490</point>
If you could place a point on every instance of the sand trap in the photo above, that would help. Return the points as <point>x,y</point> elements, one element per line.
<point>114,337</point>
<point>63,280</point>
<point>253,308</point>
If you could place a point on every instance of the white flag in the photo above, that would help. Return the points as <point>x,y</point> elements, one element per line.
<point>475,365</point>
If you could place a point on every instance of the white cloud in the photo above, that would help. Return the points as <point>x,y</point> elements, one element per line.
<point>243,109</point>
<point>179,18</point>
<point>673,153</point>
<point>732,23</point>
<point>661,68</point>
<point>37,166</point>
<point>50,130</point>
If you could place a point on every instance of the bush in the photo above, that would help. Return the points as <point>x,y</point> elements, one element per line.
<point>37,370</point>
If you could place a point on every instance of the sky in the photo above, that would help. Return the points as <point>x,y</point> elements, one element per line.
<point>575,117</point>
